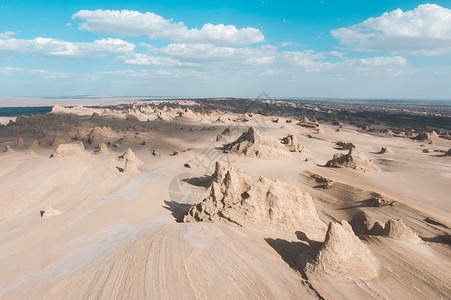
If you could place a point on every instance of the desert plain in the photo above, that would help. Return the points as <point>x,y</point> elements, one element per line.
<point>227,199</point>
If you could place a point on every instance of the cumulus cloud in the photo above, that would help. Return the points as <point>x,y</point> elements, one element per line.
<point>425,30</point>
<point>265,55</point>
<point>60,48</point>
<point>134,23</point>
<point>7,34</point>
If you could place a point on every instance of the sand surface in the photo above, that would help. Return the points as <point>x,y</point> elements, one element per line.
<point>118,235</point>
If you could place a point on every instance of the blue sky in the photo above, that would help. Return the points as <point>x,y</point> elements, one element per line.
<point>342,49</point>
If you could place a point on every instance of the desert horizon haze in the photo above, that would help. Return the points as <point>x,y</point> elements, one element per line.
<point>287,150</point>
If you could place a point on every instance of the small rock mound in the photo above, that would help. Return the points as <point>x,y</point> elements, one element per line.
<point>423,137</point>
<point>227,132</point>
<point>102,149</point>
<point>343,255</point>
<point>101,135</point>
<point>379,201</point>
<point>20,142</point>
<point>354,160</point>
<point>305,122</point>
<point>385,150</point>
<point>448,153</point>
<point>324,182</point>
<point>8,149</point>
<point>345,145</point>
<point>131,162</point>
<point>237,198</point>
<point>220,138</point>
<point>69,149</point>
<point>251,143</point>
<point>60,138</point>
<point>292,142</point>
<point>49,212</point>
<point>395,229</point>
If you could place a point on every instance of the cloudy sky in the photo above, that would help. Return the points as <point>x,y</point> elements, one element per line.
<point>310,48</point>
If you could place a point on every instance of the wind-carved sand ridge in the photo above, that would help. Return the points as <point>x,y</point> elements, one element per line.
<point>219,198</point>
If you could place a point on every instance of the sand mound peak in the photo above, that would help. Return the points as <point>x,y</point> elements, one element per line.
<point>131,162</point>
<point>251,143</point>
<point>101,135</point>
<point>353,159</point>
<point>49,212</point>
<point>385,150</point>
<point>237,198</point>
<point>20,142</point>
<point>60,138</point>
<point>344,255</point>
<point>395,229</point>
<point>102,149</point>
<point>131,156</point>
<point>70,149</point>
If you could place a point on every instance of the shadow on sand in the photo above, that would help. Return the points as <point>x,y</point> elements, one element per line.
<point>178,210</point>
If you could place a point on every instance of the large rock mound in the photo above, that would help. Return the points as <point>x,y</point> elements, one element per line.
<point>353,159</point>
<point>251,143</point>
<point>343,255</point>
<point>397,230</point>
<point>237,198</point>
<point>69,149</point>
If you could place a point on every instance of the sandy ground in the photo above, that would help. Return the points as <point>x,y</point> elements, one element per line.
<point>117,236</point>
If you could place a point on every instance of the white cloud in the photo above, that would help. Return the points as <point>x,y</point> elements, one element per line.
<point>134,23</point>
<point>60,48</point>
<point>6,34</point>
<point>392,61</point>
<point>45,74</point>
<point>150,48</point>
<point>207,53</point>
<point>150,60</point>
<point>425,30</point>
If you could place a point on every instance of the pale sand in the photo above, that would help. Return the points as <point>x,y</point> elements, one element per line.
<point>117,236</point>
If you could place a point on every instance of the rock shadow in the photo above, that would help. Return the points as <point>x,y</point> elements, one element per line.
<point>296,254</point>
<point>178,210</point>
<point>202,181</point>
